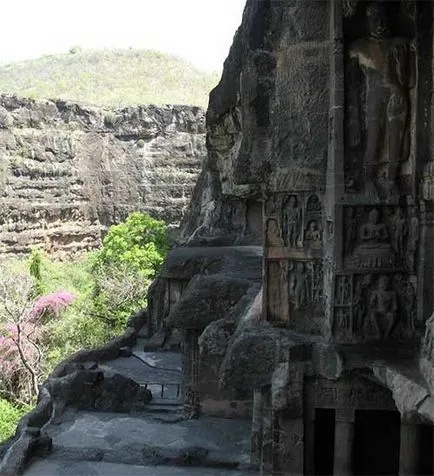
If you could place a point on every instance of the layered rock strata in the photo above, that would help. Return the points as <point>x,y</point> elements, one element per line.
<point>69,171</point>
<point>302,291</point>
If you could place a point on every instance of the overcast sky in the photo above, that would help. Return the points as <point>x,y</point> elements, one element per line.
<point>200,31</point>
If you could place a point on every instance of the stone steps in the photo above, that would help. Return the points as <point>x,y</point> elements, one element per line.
<point>156,444</point>
<point>55,467</point>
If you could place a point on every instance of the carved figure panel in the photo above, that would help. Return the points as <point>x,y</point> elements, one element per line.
<point>273,233</point>
<point>348,393</point>
<point>294,222</point>
<point>293,287</point>
<point>374,307</point>
<point>428,341</point>
<point>380,237</point>
<point>380,74</point>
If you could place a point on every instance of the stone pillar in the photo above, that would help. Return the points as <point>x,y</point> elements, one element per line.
<point>309,442</point>
<point>409,449</point>
<point>344,439</point>
<point>267,433</point>
<point>190,374</point>
<point>257,427</point>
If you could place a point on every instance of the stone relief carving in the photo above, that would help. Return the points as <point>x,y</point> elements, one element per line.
<point>360,303</point>
<point>380,237</point>
<point>313,218</point>
<point>381,312</point>
<point>343,291</point>
<point>293,286</point>
<point>273,233</point>
<point>380,75</point>
<point>373,249</point>
<point>428,341</point>
<point>374,307</point>
<point>352,393</point>
<point>313,235</point>
<point>400,230</point>
<point>413,238</point>
<point>428,181</point>
<point>305,284</point>
<point>293,221</point>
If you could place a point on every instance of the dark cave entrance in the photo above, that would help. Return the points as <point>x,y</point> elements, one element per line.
<point>324,443</point>
<point>376,442</point>
<point>426,461</point>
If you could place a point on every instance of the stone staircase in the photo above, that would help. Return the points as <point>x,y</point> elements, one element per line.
<point>157,441</point>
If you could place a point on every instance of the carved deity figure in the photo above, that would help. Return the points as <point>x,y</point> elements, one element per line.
<point>373,232</point>
<point>386,66</point>
<point>413,238</point>
<point>292,222</point>
<point>313,235</point>
<point>350,229</point>
<point>343,291</point>
<point>299,286</point>
<point>274,237</point>
<point>400,231</point>
<point>383,306</point>
<point>359,302</point>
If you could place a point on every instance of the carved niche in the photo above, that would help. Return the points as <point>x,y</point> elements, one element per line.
<point>294,222</point>
<point>294,287</point>
<point>374,307</point>
<point>379,78</point>
<point>380,237</point>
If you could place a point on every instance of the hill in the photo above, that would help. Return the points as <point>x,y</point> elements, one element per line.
<point>112,78</point>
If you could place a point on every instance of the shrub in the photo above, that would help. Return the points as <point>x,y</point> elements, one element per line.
<point>141,242</point>
<point>122,270</point>
<point>9,417</point>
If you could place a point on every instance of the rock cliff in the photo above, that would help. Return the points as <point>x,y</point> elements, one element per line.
<point>68,171</point>
<point>303,286</point>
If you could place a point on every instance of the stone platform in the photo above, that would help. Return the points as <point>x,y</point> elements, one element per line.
<point>113,443</point>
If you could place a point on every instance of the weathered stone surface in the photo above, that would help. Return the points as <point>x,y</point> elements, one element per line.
<point>206,299</point>
<point>68,171</point>
<point>319,141</point>
<point>92,389</point>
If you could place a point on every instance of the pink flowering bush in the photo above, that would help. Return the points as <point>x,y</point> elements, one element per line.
<point>52,303</point>
<point>22,325</point>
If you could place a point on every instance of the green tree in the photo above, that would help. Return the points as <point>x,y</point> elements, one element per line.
<point>35,267</point>
<point>131,255</point>
<point>141,243</point>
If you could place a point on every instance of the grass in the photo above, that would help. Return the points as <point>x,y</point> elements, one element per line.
<point>113,78</point>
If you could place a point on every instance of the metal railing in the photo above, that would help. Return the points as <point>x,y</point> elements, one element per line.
<point>165,389</point>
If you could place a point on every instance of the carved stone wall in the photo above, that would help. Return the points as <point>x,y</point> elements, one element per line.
<point>293,229</point>
<point>374,213</point>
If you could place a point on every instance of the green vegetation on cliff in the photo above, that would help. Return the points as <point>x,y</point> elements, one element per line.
<point>50,309</point>
<point>113,78</point>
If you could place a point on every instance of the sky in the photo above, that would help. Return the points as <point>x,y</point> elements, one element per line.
<point>200,31</point>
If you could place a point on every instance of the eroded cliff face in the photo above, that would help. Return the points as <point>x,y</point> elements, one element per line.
<point>265,127</point>
<point>319,154</point>
<point>68,171</point>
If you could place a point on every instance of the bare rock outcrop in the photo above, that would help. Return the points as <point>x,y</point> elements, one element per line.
<point>68,171</point>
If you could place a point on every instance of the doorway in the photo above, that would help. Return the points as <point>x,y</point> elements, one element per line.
<point>324,442</point>
<point>426,466</point>
<point>376,442</point>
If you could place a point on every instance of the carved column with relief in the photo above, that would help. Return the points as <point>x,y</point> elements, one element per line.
<point>409,448</point>
<point>344,442</point>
